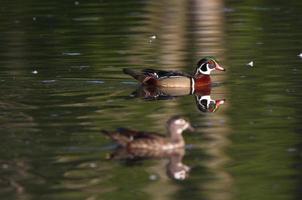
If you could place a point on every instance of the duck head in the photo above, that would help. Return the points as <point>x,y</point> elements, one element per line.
<point>206,104</point>
<point>176,125</point>
<point>206,65</point>
<point>178,171</point>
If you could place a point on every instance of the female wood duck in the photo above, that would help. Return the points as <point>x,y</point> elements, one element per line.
<point>152,142</point>
<point>176,79</point>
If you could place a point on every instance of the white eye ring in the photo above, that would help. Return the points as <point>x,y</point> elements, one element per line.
<point>180,121</point>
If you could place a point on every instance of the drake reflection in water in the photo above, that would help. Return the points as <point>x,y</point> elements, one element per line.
<point>203,100</point>
<point>136,145</point>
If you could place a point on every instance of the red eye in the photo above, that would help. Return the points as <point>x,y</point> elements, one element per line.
<point>211,64</point>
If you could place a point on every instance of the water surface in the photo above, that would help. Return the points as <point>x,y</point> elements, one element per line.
<point>62,83</point>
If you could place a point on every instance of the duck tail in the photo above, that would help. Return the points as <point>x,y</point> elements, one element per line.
<point>117,137</point>
<point>107,133</point>
<point>135,74</point>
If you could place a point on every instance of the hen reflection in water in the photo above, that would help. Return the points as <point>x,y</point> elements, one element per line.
<point>133,145</point>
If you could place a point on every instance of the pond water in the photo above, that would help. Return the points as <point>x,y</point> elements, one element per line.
<point>62,83</point>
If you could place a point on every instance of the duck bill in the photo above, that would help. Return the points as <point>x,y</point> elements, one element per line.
<point>219,68</point>
<point>191,128</point>
<point>218,103</point>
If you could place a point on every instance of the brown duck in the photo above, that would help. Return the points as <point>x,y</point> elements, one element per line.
<point>152,142</point>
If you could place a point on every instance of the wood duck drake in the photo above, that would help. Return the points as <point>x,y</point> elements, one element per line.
<point>177,79</point>
<point>151,142</point>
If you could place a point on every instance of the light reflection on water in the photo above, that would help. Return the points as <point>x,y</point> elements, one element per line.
<point>51,119</point>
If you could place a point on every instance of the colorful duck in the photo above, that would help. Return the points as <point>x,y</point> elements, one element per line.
<point>175,79</point>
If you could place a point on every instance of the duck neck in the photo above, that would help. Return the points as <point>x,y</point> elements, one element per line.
<point>199,83</point>
<point>175,134</point>
<point>201,80</point>
<point>177,156</point>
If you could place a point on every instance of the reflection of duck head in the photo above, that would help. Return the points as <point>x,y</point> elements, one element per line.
<point>206,104</point>
<point>175,168</point>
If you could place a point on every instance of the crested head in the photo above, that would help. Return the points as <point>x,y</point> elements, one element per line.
<point>177,124</point>
<point>206,65</point>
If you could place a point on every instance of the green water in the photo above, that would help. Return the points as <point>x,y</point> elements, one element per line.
<point>62,83</point>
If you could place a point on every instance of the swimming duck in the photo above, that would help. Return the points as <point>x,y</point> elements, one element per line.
<point>176,79</point>
<point>151,142</point>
